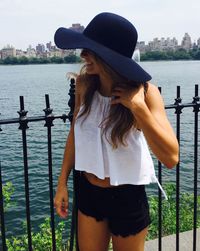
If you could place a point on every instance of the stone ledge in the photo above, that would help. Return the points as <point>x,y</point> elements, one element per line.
<point>169,242</point>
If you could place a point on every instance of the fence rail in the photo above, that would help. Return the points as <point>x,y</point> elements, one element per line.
<point>48,118</point>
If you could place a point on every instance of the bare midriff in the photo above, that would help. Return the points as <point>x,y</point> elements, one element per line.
<point>96,181</point>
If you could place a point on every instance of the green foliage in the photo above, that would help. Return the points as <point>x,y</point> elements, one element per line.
<point>33,60</point>
<point>169,213</point>
<point>72,59</point>
<point>180,54</point>
<point>195,54</point>
<point>23,60</point>
<point>57,60</point>
<point>10,60</point>
<point>8,190</point>
<point>40,240</point>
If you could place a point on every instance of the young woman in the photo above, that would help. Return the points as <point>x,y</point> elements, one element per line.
<point>117,113</point>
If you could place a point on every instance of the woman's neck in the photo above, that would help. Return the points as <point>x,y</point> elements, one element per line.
<point>106,85</point>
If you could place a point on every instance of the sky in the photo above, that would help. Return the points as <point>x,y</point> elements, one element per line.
<point>29,22</point>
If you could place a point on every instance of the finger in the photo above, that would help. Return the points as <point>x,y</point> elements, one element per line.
<point>60,207</point>
<point>62,211</point>
<point>65,204</point>
<point>116,93</point>
<point>115,101</point>
<point>55,203</point>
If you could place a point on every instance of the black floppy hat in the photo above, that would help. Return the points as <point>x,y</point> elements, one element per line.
<point>113,38</point>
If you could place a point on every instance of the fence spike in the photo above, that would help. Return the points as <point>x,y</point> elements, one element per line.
<point>49,117</point>
<point>22,115</point>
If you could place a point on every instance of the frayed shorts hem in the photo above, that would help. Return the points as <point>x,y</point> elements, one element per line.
<point>124,207</point>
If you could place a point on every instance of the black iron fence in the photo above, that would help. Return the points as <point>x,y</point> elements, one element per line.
<point>48,118</point>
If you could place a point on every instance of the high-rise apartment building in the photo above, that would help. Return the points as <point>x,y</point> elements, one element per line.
<point>8,51</point>
<point>49,46</point>
<point>40,48</point>
<point>163,44</point>
<point>77,27</point>
<point>186,42</point>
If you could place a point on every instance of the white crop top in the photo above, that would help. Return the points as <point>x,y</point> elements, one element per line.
<point>130,164</point>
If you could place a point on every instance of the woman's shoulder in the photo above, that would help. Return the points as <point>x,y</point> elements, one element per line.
<point>153,96</point>
<point>151,87</point>
<point>152,90</point>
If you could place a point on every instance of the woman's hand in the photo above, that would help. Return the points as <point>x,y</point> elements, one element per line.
<point>130,98</point>
<point>61,201</point>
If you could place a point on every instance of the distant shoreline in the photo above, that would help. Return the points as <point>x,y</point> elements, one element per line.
<point>150,60</point>
<point>178,55</point>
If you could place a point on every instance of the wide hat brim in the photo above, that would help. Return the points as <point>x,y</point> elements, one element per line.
<point>68,39</point>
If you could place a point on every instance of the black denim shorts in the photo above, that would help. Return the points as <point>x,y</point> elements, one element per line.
<point>125,207</point>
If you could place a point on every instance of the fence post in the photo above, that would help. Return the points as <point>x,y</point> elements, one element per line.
<point>178,111</point>
<point>196,102</point>
<point>74,221</point>
<point>2,222</point>
<point>49,123</point>
<point>160,203</point>
<point>24,126</point>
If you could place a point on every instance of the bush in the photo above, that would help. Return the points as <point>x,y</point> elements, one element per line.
<point>180,54</point>
<point>71,59</point>
<point>8,190</point>
<point>169,213</point>
<point>57,60</point>
<point>41,240</point>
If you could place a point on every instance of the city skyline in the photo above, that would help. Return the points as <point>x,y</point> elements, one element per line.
<point>52,43</point>
<point>51,51</point>
<point>27,22</point>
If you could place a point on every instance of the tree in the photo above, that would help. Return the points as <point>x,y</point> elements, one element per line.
<point>23,60</point>
<point>10,60</point>
<point>57,60</point>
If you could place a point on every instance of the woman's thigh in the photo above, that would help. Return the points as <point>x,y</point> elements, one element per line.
<point>93,235</point>
<point>131,242</point>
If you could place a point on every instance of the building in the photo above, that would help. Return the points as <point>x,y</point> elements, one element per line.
<point>64,53</point>
<point>169,44</point>
<point>20,53</point>
<point>186,42</point>
<point>8,51</point>
<point>40,48</point>
<point>31,52</point>
<point>77,27</point>
<point>49,46</point>
<point>198,43</point>
<point>141,46</point>
<point>163,44</point>
<point>55,53</point>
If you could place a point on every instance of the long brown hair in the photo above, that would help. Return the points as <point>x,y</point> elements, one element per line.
<point>120,119</point>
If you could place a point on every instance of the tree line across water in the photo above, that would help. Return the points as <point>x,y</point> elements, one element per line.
<point>33,60</point>
<point>180,54</point>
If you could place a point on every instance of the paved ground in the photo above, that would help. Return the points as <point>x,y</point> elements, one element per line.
<point>169,242</point>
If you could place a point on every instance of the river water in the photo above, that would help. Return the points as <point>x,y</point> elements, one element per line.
<point>33,82</point>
